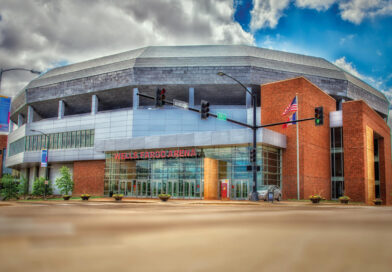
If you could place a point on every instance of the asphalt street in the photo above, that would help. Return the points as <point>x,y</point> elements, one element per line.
<point>185,236</point>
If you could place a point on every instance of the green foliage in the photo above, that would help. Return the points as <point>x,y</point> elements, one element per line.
<point>164,195</point>
<point>39,187</point>
<point>118,196</point>
<point>23,186</point>
<point>65,182</point>
<point>10,187</point>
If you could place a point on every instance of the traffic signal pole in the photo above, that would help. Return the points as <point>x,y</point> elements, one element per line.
<point>254,127</point>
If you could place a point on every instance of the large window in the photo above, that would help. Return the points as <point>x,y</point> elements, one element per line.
<point>62,140</point>
<point>337,165</point>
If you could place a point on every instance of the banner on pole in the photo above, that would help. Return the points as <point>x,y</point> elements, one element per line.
<point>5,104</point>
<point>44,158</point>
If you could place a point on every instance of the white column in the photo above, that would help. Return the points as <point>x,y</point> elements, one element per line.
<point>248,98</point>
<point>20,120</point>
<point>135,99</point>
<point>191,97</point>
<point>61,109</point>
<point>30,114</point>
<point>94,104</point>
<point>11,126</point>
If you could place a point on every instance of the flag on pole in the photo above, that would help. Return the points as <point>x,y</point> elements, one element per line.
<point>291,118</point>
<point>293,107</point>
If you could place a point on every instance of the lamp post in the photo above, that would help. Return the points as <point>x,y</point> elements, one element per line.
<point>16,69</point>
<point>47,140</point>
<point>254,196</point>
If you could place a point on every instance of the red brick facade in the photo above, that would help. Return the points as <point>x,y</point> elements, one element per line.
<point>89,177</point>
<point>357,115</point>
<point>314,141</point>
<point>3,144</point>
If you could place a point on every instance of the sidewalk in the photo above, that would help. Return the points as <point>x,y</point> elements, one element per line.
<point>285,203</point>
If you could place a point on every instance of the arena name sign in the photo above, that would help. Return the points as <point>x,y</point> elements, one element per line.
<point>161,154</point>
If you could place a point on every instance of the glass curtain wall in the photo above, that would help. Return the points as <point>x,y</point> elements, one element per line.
<point>62,140</point>
<point>337,166</point>
<point>184,177</point>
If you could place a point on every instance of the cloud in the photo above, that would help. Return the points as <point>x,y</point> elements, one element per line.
<point>266,13</point>
<point>350,68</point>
<point>356,10</point>
<point>346,39</point>
<point>315,4</point>
<point>42,34</point>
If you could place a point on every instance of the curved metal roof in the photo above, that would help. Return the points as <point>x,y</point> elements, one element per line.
<point>207,55</point>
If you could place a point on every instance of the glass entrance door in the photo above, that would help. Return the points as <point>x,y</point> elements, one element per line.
<point>239,189</point>
<point>125,187</point>
<point>172,188</point>
<point>143,188</point>
<point>156,188</point>
<point>189,188</point>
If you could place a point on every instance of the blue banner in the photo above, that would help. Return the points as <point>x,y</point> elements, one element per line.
<point>5,104</point>
<point>44,158</point>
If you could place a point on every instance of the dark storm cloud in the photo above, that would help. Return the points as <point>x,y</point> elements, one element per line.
<point>39,34</point>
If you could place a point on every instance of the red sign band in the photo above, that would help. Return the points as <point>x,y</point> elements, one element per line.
<point>160,154</point>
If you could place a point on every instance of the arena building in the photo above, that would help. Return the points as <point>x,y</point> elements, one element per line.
<point>116,141</point>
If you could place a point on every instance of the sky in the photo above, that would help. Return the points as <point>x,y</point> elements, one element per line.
<point>42,34</point>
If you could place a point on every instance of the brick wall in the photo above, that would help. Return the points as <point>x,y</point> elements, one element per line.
<point>89,177</point>
<point>314,149</point>
<point>357,118</point>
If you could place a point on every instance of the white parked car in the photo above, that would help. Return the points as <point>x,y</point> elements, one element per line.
<point>263,192</point>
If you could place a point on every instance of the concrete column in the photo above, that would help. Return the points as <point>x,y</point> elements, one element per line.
<point>61,108</point>
<point>94,104</point>
<point>11,126</point>
<point>135,99</point>
<point>249,98</point>
<point>30,114</point>
<point>20,120</point>
<point>191,97</point>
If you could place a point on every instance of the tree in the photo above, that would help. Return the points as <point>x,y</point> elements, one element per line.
<point>10,187</point>
<point>39,187</point>
<point>65,182</point>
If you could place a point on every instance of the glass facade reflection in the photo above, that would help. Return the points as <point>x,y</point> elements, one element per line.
<point>183,177</point>
<point>337,166</point>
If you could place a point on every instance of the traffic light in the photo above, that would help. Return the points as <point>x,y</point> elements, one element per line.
<point>163,96</point>
<point>318,116</point>
<point>205,108</point>
<point>252,155</point>
<point>160,97</point>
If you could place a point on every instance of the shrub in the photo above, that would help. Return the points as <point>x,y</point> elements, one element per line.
<point>10,187</point>
<point>23,186</point>
<point>315,197</point>
<point>39,187</point>
<point>118,196</point>
<point>84,196</point>
<point>65,182</point>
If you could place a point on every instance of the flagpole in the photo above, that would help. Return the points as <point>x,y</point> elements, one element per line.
<point>297,125</point>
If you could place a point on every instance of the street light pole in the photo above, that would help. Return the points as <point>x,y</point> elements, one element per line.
<point>47,140</point>
<point>254,196</point>
<point>16,69</point>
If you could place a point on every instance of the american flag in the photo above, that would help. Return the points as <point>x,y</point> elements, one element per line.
<point>292,107</point>
<point>291,118</point>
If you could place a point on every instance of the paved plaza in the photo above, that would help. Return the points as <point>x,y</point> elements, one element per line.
<point>193,236</point>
